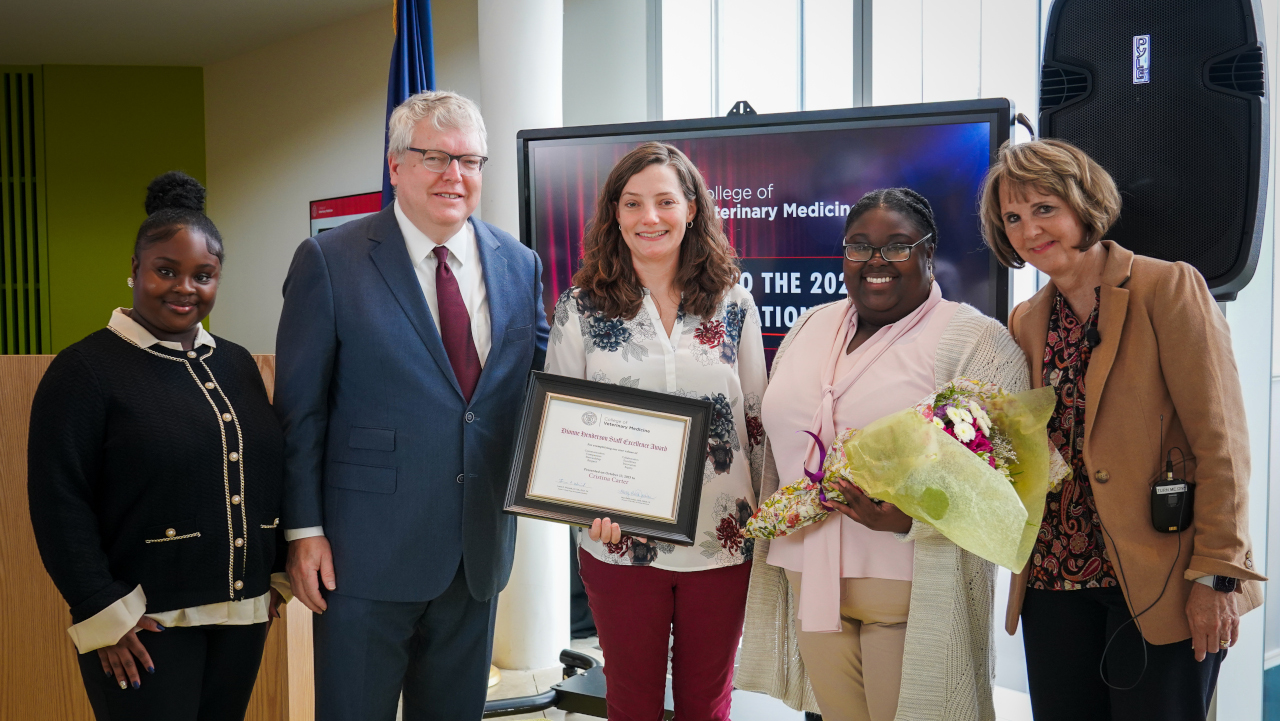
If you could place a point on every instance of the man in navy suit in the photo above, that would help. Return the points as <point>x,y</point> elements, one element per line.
<point>401,359</point>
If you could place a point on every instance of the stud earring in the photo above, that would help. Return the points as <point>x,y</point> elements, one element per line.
<point>129,281</point>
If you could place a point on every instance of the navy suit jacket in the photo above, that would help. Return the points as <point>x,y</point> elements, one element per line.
<point>381,449</point>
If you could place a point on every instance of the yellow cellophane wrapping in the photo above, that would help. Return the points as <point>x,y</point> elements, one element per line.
<point>906,460</point>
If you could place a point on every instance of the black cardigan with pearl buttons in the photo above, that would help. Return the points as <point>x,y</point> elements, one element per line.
<point>155,467</point>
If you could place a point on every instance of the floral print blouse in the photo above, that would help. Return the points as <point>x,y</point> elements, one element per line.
<point>1069,551</point>
<point>720,359</point>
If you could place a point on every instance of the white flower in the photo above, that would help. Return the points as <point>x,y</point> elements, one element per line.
<point>979,414</point>
<point>984,425</point>
<point>964,432</point>
<point>938,422</point>
<point>958,415</point>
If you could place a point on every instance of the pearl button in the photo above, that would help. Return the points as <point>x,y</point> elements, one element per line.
<point>233,456</point>
<point>1102,476</point>
<point>235,500</point>
<point>170,532</point>
<point>191,354</point>
<point>209,385</point>
<point>239,585</point>
<point>226,417</point>
<point>239,542</point>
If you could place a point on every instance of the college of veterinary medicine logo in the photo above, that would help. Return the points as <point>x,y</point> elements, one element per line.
<point>588,418</point>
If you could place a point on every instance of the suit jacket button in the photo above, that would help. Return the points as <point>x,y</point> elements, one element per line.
<point>460,478</point>
<point>470,416</point>
<point>1102,476</point>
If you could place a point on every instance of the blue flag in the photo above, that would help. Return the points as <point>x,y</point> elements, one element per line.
<point>412,68</point>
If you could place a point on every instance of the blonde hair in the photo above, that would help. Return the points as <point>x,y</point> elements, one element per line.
<point>1052,167</point>
<point>445,109</point>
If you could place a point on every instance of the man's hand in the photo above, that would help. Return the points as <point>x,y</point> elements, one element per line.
<point>118,660</point>
<point>308,557</point>
<point>877,517</point>
<point>1213,619</point>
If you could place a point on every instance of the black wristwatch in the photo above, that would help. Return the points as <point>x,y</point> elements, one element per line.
<point>1224,584</point>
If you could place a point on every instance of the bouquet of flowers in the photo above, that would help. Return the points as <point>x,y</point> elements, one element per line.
<point>971,460</point>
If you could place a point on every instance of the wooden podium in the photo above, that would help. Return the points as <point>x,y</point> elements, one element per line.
<point>39,678</point>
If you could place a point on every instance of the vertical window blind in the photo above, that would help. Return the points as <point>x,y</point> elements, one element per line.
<point>24,300</point>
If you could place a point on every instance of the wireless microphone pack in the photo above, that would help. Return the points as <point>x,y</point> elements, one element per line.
<point>1172,501</point>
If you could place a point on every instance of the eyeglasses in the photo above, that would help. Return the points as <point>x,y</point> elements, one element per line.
<point>437,161</point>
<point>893,253</point>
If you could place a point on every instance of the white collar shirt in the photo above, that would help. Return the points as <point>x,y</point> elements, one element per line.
<point>464,261</point>
<point>133,331</point>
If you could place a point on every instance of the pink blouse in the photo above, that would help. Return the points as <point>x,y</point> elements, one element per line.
<point>892,370</point>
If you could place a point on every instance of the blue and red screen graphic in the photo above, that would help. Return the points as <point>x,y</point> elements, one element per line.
<point>783,195</point>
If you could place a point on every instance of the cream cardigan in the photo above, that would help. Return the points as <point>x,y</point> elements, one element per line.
<point>949,658</point>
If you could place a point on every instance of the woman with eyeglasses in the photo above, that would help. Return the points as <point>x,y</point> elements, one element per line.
<point>846,590</point>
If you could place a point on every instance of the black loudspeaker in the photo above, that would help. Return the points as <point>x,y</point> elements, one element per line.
<point>1170,97</point>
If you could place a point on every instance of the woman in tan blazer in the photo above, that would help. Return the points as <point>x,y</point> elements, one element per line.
<point>1121,621</point>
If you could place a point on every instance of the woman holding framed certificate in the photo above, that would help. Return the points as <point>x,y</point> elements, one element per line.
<point>656,306</point>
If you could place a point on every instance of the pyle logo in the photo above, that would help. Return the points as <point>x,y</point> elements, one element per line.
<point>1141,59</point>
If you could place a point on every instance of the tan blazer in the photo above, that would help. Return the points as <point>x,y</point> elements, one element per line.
<point>1165,350</point>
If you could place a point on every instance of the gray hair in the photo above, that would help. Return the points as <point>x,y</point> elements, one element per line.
<point>445,109</point>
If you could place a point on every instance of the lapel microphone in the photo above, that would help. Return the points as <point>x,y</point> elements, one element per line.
<point>1092,337</point>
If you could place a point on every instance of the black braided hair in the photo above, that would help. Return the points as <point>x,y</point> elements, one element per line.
<point>175,201</point>
<point>906,201</point>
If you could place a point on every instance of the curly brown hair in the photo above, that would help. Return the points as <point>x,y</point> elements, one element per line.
<point>707,267</point>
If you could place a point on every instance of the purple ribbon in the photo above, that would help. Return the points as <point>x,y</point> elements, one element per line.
<point>822,458</point>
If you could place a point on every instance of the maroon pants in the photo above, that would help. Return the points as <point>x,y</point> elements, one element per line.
<point>638,609</point>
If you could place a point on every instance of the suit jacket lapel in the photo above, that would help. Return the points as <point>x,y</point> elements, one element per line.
<point>1113,307</point>
<point>1032,329</point>
<point>391,257</point>
<point>493,265</point>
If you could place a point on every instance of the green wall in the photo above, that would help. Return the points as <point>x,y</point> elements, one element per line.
<point>108,131</point>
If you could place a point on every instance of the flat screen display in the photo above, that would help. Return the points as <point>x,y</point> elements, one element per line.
<point>783,186</point>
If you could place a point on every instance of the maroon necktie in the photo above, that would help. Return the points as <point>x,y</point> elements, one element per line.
<point>455,325</point>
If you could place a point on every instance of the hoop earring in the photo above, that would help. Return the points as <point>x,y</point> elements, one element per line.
<point>129,282</point>
<point>689,224</point>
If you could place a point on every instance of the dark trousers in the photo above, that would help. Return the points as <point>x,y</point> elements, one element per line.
<point>1065,632</point>
<point>640,610</point>
<point>437,652</point>
<point>203,673</point>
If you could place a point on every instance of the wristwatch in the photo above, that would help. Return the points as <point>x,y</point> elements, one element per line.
<point>1222,584</point>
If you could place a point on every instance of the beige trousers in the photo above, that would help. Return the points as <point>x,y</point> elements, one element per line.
<point>856,672</point>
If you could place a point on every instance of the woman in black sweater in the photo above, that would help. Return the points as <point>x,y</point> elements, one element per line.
<point>155,469</point>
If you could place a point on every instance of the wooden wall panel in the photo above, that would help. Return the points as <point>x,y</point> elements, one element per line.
<point>39,677</point>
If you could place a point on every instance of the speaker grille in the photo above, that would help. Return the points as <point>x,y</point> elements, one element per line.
<point>1059,86</point>
<point>1178,148</point>
<point>1241,72</point>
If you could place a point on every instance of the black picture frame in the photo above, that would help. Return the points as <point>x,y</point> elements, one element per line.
<point>689,490</point>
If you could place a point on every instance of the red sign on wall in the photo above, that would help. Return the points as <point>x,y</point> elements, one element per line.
<point>332,212</point>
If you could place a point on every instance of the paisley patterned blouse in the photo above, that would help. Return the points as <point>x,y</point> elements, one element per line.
<point>720,359</point>
<point>1069,552</point>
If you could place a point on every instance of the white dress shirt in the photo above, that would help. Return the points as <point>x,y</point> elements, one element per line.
<point>464,260</point>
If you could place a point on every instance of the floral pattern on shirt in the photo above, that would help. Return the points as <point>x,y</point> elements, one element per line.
<point>724,544</point>
<point>719,359</point>
<point>1069,552</point>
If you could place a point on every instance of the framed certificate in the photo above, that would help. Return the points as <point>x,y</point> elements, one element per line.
<point>587,450</point>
